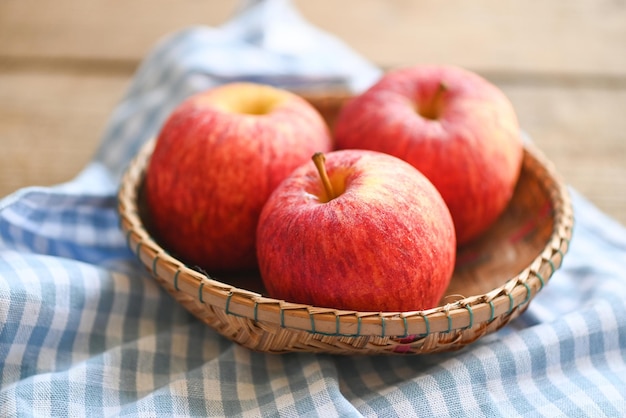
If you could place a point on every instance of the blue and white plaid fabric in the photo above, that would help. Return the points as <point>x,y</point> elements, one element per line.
<point>84,331</point>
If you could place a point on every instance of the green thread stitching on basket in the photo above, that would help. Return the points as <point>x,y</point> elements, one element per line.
<point>406,327</point>
<point>227,307</point>
<point>449,322</point>
<point>382,326</point>
<point>200,293</point>
<point>228,298</point>
<point>528,293</point>
<point>541,280</point>
<point>282,318</point>
<point>137,255</point>
<point>256,310</point>
<point>471,315</point>
<point>176,280</point>
<point>551,266</point>
<point>510,303</point>
<point>562,256</point>
<point>128,233</point>
<point>334,334</point>
<point>154,261</point>
<point>493,311</point>
<point>137,249</point>
<point>339,334</point>
<point>337,327</point>
<point>383,323</point>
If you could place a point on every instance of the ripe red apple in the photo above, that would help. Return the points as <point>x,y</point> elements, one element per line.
<point>457,128</point>
<point>216,160</point>
<point>361,231</point>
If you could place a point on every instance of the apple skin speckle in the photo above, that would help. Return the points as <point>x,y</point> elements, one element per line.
<point>469,147</point>
<point>386,243</point>
<point>213,168</point>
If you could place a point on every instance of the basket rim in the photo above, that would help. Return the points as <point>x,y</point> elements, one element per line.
<point>459,315</point>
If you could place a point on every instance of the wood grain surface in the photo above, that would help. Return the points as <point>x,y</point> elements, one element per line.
<point>65,64</point>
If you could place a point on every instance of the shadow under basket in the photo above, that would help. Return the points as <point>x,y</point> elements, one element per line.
<point>495,279</point>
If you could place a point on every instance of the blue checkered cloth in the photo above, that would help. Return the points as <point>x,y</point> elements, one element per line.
<point>85,332</point>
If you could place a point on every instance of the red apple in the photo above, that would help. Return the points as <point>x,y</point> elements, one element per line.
<point>216,160</point>
<point>457,128</point>
<point>363,231</point>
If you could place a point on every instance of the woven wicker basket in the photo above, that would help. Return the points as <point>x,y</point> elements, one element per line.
<point>494,281</point>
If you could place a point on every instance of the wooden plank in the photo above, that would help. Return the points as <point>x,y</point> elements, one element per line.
<point>64,65</point>
<point>578,36</point>
<point>50,125</point>
<point>99,28</point>
<point>582,131</point>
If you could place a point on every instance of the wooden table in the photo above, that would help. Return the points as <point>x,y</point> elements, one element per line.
<point>65,64</point>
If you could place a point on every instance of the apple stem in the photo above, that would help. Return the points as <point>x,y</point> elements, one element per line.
<point>319,160</point>
<point>433,109</point>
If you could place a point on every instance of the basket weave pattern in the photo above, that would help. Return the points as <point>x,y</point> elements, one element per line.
<point>494,281</point>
